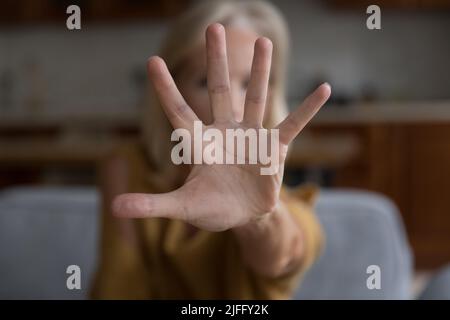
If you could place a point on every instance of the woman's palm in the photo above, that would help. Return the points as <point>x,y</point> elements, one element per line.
<point>217,197</point>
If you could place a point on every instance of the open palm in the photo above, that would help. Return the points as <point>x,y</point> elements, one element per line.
<point>217,197</point>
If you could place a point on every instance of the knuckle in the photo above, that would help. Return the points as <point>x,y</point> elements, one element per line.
<point>290,124</point>
<point>256,99</point>
<point>220,88</point>
<point>181,108</point>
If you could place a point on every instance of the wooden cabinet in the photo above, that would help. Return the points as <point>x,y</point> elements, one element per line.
<point>135,9</point>
<point>410,163</point>
<point>429,174</point>
<point>23,12</point>
<point>391,4</point>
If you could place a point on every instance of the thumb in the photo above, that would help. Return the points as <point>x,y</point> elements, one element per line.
<point>142,205</point>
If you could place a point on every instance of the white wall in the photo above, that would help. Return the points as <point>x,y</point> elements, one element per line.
<point>408,58</point>
<point>87,70</point>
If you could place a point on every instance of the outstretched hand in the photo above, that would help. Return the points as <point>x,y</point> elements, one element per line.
<point>217,197</point>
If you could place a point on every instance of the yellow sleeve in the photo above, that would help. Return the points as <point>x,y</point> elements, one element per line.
<point>121,272</point>
<point>300,203</point>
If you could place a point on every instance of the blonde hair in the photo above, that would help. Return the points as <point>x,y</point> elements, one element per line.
<point>186,33</point>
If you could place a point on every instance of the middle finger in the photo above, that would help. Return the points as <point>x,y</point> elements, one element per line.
<point>217,73</point>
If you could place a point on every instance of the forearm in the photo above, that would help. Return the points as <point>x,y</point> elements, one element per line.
<point>273,245</point>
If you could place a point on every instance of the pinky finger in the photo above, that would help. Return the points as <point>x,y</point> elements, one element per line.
<point>290,127</point>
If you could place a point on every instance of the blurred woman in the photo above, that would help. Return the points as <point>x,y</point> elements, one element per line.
<point>210,231</point>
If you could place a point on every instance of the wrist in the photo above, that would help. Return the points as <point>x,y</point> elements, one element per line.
<point>259,224</point>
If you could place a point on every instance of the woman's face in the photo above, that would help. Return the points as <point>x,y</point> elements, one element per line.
<point>192,77</point>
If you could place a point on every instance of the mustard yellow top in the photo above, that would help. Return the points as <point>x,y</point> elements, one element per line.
<point>166,263</point>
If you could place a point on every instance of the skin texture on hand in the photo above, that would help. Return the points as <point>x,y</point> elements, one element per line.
<point>218,197</point>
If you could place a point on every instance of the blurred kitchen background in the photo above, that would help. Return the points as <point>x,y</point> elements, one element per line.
<point>67,97</point>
